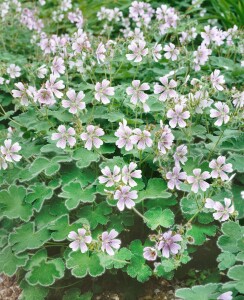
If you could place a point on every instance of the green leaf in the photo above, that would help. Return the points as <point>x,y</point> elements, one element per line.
<point>226,260</point>
<point>42,271</point>
<point>97,215</point>
<point>118,260</point>
<point>231,234</point>
<point>82,264</point>
<point>156,217</point>
<point>237,273</point>
<point>25,237</point>
<point>12,203</point>
<point>9,262</point>
<point>74,195</point>
<point>155,190</point>
<point>61,228</point>
<point>200,233</point>
<point>37,194</point>
<point>28,291</point>
<point>237,161</point>
<point>84,157</point>
<point>200,292</point>
<point>137,267</point>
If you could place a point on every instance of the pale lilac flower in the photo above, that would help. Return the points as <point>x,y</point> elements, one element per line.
<point>91,136</point>
<point>150,253</point>
<point>54,86</point>
<point>130,172</point>
<point>137,91</point>
<point>222,212</point>
<point>9,151</point>
<point>166,138</point>
<point>125,197</point>
<point>225,296</point>
<point>198,180</point>
<point>102,90</point>
<point>100,53</point>
<point>201,56</point>
<point>175,178</point>
<point>156,52</point>
<point>3,163</point>
<point>79,240</point>
<point>168,244</point>
<point>217,80</point>
<point>166,90</point>
<point>178,116</point>
<point>45,96</point>
<point>124,134</point>
<point>48,45</point>
<point>75,102</point>
<point>220,168</point>
<point>171,52</point>
<point>13,71</point>
<point>209,35</point>
<point>64,136</point>
<point>58,66</point>
<point>180,155</point>
<point>110,177</point>
<point>138,49</point>
<point>136,35</point>
<point>238,101</point>
<point>42,71</point>
<point>221,113</point>
<point>200,101</point>
<point>141,138</point>
<point>21,93</point>
<point>109,242</point>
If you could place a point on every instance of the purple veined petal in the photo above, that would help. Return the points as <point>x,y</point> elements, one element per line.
<point>197,172</point>
<point>88,144</point>
<point>219,122</point>
<point>173,123</point>
<point>217,215</point>
<point>195,187</point>
<point>213,164</point>
<point>130,90</point>
<point>102,179</point>
<point>176,238</point>
<point>97,142</point>
<point>74,245</point>
<point>83,247</point>
<point>109,250</point>
<point>80,96</point>
<point>158,89</point>
<point>136,84</point>
<point>16,147</point>
<point>164,80</point>
<point>165,251</point>
<point>190,179</point>
<point>7,143</point>
<point>84,136</point>
<point>225,217</point>
<point>174,248</point>
<point>218,206</point>
<point>227,202</point>
<point>138,58</point>
<point>209,203</point>
<point>214,174</point>
<point>121,205</point>
<point>221,160</point>
<point>72,235</point>
<point>181,123</point>
<point>62,129</point>
<point>106,171</point>
<point>145,87</point>
<point>71,141</point>
<point>171,184</point>
<point>56,136</point>
<point>104,235</point>
<point>203,185</point>
<point>61,143</point>
<point>113,234</point>
<point>227,168</point>
<point>205,175</point>
<point>88,239</point>
<point>73,110</point>
<point>16,157</point>
<point>223,176</point>
<point>71,131</point>
<point>65,103</point>
<point>130,56</point>
<point>115,243</point>
<point>81,231</point>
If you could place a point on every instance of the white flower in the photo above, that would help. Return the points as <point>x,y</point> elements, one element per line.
<point>14,71</point>
<point>103,90</point>
<point>91,136</point>
<point>138,49</point>
<point>217,80</point>
<point>221,113</point>
<point>171,52</point>
<point>75,102</point>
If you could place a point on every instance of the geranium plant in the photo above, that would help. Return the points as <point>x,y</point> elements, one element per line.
<point>121,144</point>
